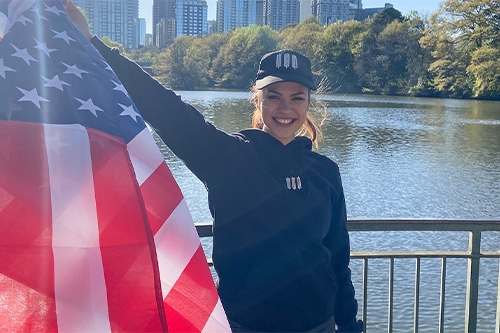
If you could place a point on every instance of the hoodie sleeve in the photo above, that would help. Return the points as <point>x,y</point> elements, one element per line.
<point>337,240</point>
<point>182,128</point>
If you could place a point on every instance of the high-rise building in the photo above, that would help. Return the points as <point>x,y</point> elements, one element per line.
<point>163,9</point>
<point>165,32</point>
<point>306,9</point>
<point>149,39</point>
<point>331,11</point>
<point>191,17</point>
<point>235,13</point>
<point>117,19</point>
<point>278,13</point>
<point>142,31</point>
<point>355,10</point>
<point>355,4</point>
<point>259,12</point>
<point>211,27</point>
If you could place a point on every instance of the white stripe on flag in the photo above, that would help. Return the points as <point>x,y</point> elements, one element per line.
<point>80,288</point>
<point>144,155</point>
<point>175,246</point>
<point>217,323</point>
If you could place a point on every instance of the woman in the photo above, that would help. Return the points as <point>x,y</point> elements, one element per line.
<point>280,244</point>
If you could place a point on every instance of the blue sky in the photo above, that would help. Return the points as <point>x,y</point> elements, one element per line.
<point>404,6</point>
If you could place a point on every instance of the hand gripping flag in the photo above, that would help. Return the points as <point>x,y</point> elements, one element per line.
<point>95,235</point>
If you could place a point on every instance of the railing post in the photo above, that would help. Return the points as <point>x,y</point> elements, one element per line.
<point>391,296</point>
<point>443,296</point>
<point>472,281</point>
<point>417,296</point>
<point>497,327</point>
<point>365,292</point>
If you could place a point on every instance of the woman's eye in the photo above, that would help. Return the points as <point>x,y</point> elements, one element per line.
<point>273,97</point>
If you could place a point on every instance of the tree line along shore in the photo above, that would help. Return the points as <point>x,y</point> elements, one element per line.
<point>451,53</point>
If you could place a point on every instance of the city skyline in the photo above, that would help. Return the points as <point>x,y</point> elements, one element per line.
<point>405,6</point>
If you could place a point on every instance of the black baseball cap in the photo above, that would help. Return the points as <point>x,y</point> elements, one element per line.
<point>284,65</point>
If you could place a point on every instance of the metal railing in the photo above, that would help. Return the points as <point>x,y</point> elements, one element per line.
<point>473,256</point>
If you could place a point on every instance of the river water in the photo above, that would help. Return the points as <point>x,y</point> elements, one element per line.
<point>398,157</point>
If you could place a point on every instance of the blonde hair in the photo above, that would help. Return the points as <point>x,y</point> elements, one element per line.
<point>311,127</point>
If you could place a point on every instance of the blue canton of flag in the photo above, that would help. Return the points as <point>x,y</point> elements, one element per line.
<point>42,80</point>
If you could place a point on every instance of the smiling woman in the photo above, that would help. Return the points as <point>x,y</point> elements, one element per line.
<point>282,96</point>
<point>283,107</point>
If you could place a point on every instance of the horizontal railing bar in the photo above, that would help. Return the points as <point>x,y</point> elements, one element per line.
<point>398,224</point>
<point>413,255</point>
<point>407,224</point>
<point>419,254</point>
<point>422,254</point>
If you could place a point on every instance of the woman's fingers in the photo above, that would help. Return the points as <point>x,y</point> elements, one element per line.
<point>78,18</point>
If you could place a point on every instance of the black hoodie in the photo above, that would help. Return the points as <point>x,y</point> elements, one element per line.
<point>280,244</point>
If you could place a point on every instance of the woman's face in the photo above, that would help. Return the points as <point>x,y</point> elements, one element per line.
<point>284,108</point>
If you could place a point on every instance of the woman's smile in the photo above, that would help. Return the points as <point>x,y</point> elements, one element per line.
<point>284,108</point>
<point>284,121</point>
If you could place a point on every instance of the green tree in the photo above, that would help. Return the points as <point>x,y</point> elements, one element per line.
<point>145,54</point>
<point>106,40</point>
<point>456,31</point>
<point>381,20</point>
<point>475,21</point>
<point>183,65</point>
<point>399,60</point>
<point>302,38</point>
<point>336,51</point>
<point>382,60</point>
<point>197,62</point>
<point>215,42</point>
<point>485,68</point>
<point>238,60</point>
<point>449,64</point>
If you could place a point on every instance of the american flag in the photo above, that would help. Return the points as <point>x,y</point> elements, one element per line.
<point>95,235</point>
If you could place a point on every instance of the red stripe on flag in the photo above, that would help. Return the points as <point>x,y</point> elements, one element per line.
<point>125,245</point>
<point>26,267</point>
<point>161,196</point>
<point>193,297</point>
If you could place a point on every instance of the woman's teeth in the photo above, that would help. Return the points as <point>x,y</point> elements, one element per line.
<point>284,121</point>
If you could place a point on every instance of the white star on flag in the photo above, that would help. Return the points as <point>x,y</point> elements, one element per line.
<point>40,16</point>
<point>53,9</point>
<point>120,87</point>
<point>129,111</point>
<point>4,69</point>
<point>89,105</point>
<point>43,47</point>
<point>23,54</point>
<point>55,82</point>
<point>32,96</point>
<point>74,70</point>
<point>63,35</point>
<point>23,19</point>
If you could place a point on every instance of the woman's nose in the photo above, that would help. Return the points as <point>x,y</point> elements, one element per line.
<point>284,105</point>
